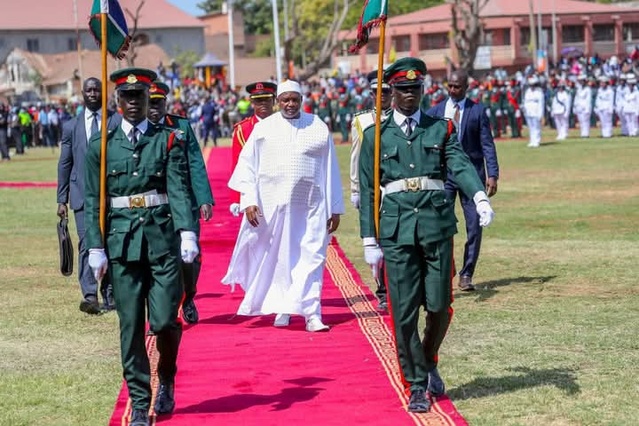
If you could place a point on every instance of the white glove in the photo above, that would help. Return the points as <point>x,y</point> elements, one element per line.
<point>98,262</point>
<point>188,246</point>
<point>355,200</point>
<point>374,257</point>
<point>235,209</point>
<point>482,205</point>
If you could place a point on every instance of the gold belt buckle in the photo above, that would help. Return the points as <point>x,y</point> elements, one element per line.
<point>412,184</point>
<point>137,202</point>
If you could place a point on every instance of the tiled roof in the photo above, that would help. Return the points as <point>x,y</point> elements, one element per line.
<point>503,8</point>
<point>59,67</point>
<point>59,15</point>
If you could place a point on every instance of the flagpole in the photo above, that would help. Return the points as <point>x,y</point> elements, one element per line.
<point>103,134</point>
<point>276,35</point>
<point>378,121</point>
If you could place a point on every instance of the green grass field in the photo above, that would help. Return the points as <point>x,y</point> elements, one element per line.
<point>548,339</point>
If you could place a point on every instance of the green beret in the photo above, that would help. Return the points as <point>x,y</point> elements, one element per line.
<point>133,78</point>
<point>405,72</point>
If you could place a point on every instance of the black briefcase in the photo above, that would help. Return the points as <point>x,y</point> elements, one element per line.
<point>66,248</point>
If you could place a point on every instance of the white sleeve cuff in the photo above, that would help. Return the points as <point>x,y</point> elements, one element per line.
<point>188,235</point>
<point>369,242</point>
<point>480,196</point>
<point>247,200</point>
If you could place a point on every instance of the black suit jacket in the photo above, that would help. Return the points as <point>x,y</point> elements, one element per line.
<point>73,149</point>
<point>475,136</point>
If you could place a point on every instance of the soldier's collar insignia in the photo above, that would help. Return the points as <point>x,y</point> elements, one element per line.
<point>131,79</point>
<point>410,75</point>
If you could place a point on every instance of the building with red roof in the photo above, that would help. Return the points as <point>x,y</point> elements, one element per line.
<point>589,27</point>
<point>52,26</point>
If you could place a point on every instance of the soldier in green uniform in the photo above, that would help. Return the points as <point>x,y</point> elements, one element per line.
<point>417,223</point>
<point>199,188</point>
<point>324,109</point>
<point>344,113</point>
<point>149,226</point>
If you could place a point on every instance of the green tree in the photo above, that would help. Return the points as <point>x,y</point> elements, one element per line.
<point>186,59</point>
<point>258,15</point>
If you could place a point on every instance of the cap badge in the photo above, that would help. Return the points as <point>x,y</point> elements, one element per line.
<point>410,75</point>
<point>153,88</point>
<point>259,86</point>
<point>131,79</point>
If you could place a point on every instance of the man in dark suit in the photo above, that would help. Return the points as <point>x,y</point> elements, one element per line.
<point>75,136</point>
<point>473,130</point>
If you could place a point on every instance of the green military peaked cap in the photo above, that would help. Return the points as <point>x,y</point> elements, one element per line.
<point>405,72</point>
<point>159,90</point>
<point>133,78</point>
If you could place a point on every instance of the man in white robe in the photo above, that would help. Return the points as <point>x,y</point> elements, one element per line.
<point>291,194</point>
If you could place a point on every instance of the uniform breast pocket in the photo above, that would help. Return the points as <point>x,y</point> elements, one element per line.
<point>389,154</point>
<point>117,173</point>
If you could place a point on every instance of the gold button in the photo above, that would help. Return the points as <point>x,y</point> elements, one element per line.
<point>135,155</point>
<point>135,173</point>
<point>412,166</point>
<point>113,171</point>
<point>415,209</point>
<point>141,219</point>
<point>409,142</point>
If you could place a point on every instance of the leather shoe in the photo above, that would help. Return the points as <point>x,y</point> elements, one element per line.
<point>436,385</point>
<point>139,417</point>
<point>466,283</point>
<point>418,402</point>
<point>90,306</point>
<point>189,312</point>
<point>164,400</point>
<point>382,306</point>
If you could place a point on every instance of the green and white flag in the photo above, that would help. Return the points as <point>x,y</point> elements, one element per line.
<point>373,14</point>
<point>117,39</point>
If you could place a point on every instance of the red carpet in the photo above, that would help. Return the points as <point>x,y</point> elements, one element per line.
<point>28,184</point>
<point>242,371</point>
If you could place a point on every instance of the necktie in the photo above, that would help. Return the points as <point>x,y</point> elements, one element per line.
<point>134,136</point>
<point>94,125</point>
<point>456,116</point>
<point>409,126</point>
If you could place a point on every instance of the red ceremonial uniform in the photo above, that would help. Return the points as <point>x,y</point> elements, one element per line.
<point>241,133</point>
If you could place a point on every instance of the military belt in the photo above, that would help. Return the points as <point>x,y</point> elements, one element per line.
<point>414,184</point>
<point>147,199</point>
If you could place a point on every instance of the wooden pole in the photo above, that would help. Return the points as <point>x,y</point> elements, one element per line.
<point>378,122</point>
<point>103,134</point>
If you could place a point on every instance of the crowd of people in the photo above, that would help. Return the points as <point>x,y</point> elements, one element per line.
<point>578,92</point>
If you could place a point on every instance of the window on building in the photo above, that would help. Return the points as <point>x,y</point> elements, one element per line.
<point>433,41</point>
<point>72,44</point>
<point>402,43</point>
<point>33,45</point>
<point>631,31</point>
<point>525,36</point>
<point>506,37</point>
<point>572,34</point>
<point>603,32</point>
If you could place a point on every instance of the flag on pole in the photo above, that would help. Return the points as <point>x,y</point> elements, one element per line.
<point>374,13</point>
<point>118,39</point>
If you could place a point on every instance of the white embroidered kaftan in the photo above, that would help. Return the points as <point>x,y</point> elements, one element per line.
<point>288,168</point>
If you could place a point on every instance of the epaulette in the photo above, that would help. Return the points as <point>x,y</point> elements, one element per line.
<point>176,135</point>
<point>241,122</point>
<point>364,111</point>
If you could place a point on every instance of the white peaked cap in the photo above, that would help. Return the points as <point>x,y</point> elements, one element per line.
<point>289,86</point>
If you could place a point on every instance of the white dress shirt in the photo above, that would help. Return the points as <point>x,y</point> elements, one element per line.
<point>450,110</point>
<point>88,120</point>
<point>400,119</point>
<point>127,127</point>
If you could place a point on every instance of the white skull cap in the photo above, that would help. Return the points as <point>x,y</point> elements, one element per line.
<point>289,86</point>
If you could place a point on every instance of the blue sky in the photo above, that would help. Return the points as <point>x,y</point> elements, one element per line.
<point>189,6</point>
